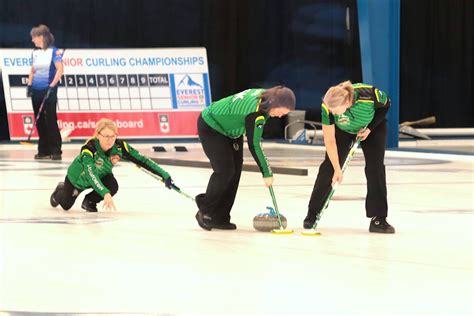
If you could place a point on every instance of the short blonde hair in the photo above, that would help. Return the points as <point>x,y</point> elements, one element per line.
<point>43,30</point>
<point>338,95</point>
<point>104,123</point>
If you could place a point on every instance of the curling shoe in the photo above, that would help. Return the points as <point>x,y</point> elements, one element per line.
<point>380,225</point>
<point>52,199</point>
<point>89,206</point>
<point>225,226</point>
<point>42,157</point>
<point>204,221</point>
<point>309,221</point>
<point>56,157</point>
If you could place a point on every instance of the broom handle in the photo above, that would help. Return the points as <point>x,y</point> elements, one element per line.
<point>160,179</point>
<point>272,193</point>
<point>426,121</point>
<point>334,187</point>
<point>40,110</point>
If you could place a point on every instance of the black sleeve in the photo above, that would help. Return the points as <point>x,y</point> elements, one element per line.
<point>379,116</point>
<point>88,148</point>
<point>331,119</point>
<point>381,105</point>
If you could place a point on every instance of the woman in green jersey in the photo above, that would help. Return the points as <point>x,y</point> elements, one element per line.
<point>350,111</point>
<point>92,168</point>
<point>221,128</point>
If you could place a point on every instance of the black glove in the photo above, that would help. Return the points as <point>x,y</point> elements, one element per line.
<point>170,184</point>
<point>29,91</point>
<point>52,90</point>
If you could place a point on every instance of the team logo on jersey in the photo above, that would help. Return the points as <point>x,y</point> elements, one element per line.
<point>190,90</point>
<point>99,162</point>
<point>343,120</point>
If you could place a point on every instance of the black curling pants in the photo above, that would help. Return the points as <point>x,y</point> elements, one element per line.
<point>68,195</point>
<point>374,152</point>
<point>49,142</point>
<point>226,157</point>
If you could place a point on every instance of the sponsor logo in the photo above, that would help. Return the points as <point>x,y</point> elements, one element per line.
<point>343,120</point>
<point>94,178</point>
<point>190,90</point>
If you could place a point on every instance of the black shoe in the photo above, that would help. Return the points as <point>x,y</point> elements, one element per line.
<point>204,220</point>
<point>52,199</point>
<point>309,221</point>
<point>89,206</point>
<point>42,157</point>
<point>56,157</point>
<point>380,225</point>
<point>226,226</point>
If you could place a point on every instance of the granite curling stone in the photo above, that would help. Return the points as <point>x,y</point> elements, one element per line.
<point>266,222</point>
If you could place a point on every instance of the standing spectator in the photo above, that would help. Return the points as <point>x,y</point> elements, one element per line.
<point>46,71</point>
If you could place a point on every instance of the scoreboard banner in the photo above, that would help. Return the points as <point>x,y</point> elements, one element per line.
<point>149,93</point>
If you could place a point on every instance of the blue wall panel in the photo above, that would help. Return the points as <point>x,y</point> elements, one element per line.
<point>379,29</point>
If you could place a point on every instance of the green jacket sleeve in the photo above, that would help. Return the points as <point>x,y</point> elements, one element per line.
<point>254,123</point>
<point>131,154</point>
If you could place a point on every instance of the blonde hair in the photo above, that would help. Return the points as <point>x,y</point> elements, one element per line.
<point>43,30</point>
<point>338,95</point>
<point>104,123</point>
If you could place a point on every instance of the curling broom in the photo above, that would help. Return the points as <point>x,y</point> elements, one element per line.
<point>281,230</point>
<point>312,231</point>
<point>426,121</point>
<point>174,187</point>
<point>28,142</point>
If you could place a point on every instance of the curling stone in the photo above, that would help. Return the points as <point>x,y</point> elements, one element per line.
<point>266,222</point>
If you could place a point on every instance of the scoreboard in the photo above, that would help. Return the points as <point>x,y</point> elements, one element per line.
<point>149,93</point>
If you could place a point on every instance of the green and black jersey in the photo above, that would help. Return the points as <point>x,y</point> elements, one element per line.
<point>239,115</point>
<point>93,164</point>
<point>368,109</point>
